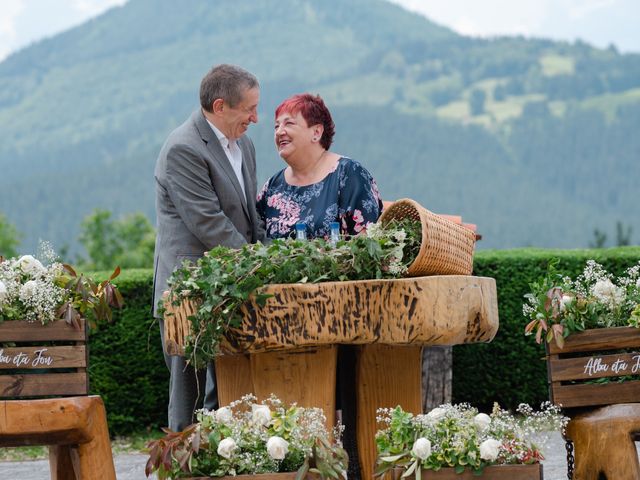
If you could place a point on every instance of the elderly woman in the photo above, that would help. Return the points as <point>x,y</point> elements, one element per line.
<point>318,186</point>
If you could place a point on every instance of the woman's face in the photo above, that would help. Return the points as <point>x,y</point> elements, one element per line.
<point>292,134</point>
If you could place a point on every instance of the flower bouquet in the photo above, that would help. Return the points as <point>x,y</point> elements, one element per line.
<point>558,306</point>
<point>460,438</point>
<point>47,290</point>
<point>249,438</point>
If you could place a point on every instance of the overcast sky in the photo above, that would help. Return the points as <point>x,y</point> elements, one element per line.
<point>599,22</point>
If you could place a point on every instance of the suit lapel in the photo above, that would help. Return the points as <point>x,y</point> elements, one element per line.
<point>220,157</point>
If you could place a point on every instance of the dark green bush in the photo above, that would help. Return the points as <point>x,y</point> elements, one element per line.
<point>127,367</point>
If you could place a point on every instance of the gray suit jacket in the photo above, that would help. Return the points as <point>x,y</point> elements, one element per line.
<point>199,202</point>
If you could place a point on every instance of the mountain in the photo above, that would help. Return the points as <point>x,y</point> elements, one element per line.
<point>533,140</point>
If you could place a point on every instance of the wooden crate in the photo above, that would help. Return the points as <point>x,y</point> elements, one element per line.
<point>43,360</point>
<point>493,472</point>
<point>591,355</point>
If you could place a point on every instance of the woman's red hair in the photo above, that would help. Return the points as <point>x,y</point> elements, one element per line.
<point>314,112</point>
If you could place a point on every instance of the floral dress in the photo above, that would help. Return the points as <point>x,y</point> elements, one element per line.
<point>348,195</point>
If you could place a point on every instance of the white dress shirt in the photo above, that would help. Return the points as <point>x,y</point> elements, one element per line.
<point>233,152</point>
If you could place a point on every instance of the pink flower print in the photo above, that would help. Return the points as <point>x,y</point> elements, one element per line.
<point>358,221</point>
<point>262,192</point>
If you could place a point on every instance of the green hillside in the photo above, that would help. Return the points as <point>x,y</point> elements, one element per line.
<point>533,140</point>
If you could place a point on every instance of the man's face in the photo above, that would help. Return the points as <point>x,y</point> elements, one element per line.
<point>236,120</point>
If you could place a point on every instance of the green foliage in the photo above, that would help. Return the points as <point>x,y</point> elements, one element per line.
<point>9,238</point>
<point>558,306</point>
<point>225,278</point>
<point>128,242</point>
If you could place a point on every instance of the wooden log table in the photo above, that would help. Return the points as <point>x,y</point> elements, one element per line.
<point>289,346</point>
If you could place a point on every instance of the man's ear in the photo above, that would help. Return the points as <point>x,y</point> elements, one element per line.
<point>217,105</point>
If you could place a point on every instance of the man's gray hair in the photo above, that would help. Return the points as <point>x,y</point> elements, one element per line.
<point>227,82</point>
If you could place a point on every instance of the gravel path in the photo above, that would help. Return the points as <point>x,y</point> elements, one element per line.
<point>131,466</point>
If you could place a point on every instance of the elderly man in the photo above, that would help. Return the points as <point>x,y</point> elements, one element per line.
<point>205,196</point>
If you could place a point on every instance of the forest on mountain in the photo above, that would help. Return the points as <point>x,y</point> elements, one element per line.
<point>533,140</point>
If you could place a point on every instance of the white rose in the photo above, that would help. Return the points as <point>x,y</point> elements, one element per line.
<point>437,413</point>
<point>606,291</point>
<point>3,291</point>
<point>28,290</point>
<point>261,414</point>
<point>482,421</point>
<point>224,415</point>
<point>489,449</point>
<point>421,448</point>
<point>565,302</point>
<point>29,265</point>
<point>226,447</point>
<point>277,448</point>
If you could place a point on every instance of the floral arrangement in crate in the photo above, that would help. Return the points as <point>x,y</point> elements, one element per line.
<point>44,290</point>
<point>225,278</point>
<point>558,305</point>
<point>459,437</point>
<point>250,438</point>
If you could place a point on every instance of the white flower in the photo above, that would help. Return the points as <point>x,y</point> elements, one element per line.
<point>277,448</point>
<point>226,447</point>
<point>607,292</point>
<point>421,448</point>
<point>565,302</point>
<point>28,290</point>
<point>482,421</point>
<point>437,413</point>
<point>3,291</point>
<point>638,283</point>
<point>224,415</point>
<point>261,414</point>
<point>29,264</point>
<point>489,449</point>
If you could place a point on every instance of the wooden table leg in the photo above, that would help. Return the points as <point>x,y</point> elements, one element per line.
<point>387,376</point>
<point>306,376</point>
<point>603,442</point>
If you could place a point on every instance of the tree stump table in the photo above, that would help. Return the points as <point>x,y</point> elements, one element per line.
<point>289,346</point>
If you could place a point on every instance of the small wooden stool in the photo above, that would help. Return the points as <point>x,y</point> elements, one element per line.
<point>49,361</point>
<point>603,441</point>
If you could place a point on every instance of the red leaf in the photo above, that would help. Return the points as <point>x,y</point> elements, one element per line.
<point>115,273</point>
<point>69,269</point>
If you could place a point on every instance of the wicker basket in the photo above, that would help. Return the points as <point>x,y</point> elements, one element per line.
<point>446,248</point>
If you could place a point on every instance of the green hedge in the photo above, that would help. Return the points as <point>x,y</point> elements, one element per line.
<point>127,367</point>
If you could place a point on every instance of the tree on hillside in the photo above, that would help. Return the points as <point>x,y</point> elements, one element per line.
<point>9,238</point>
<point>476,102</point>
<point>623,235</point>
<point>127,242</point>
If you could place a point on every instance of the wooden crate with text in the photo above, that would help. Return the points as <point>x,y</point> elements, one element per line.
<point>595,367</point>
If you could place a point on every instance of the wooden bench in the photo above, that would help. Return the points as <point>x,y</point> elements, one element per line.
<point>51,361</point>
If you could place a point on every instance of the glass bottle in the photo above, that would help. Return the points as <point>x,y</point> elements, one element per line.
<point>334,236</point>
<point>301,231</point>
